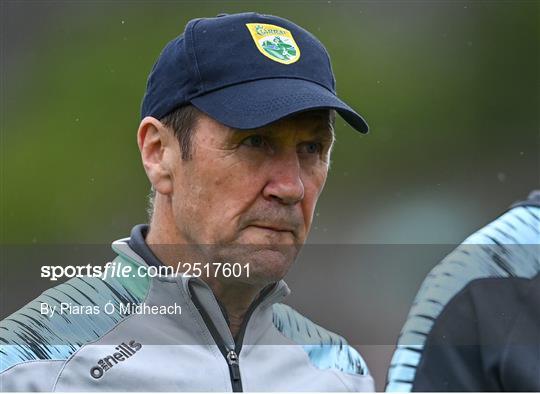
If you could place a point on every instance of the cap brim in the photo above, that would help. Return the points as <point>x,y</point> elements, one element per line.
<point>254,104</point>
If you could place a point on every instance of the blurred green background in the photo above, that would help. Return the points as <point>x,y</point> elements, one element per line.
<point>450,89</point>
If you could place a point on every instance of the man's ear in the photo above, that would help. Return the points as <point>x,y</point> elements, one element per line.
<point>154,142</point>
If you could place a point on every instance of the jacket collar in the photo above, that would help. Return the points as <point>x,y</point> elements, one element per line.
<point>137,243</point>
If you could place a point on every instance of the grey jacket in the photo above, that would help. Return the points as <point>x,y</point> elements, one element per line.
<point>99,344</point>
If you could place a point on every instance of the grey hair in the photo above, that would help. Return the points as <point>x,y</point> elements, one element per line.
<point>150,203</point>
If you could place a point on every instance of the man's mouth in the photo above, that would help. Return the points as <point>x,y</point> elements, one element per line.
<point>278,228</point>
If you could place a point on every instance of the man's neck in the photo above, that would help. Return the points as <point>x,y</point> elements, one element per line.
<point>235,297</point>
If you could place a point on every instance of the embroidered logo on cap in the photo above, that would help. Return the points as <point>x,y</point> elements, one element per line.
<point>274,42</point>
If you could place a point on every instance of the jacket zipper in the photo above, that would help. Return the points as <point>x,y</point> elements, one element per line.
<point>231,355</point>
<point>234,370</point>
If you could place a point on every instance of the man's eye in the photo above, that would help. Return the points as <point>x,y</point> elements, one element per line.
<point>311,147</point>
<point>254,141</point>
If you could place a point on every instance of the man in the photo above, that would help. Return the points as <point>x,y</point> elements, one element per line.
<point>475,323</point>
<point>235,139</point>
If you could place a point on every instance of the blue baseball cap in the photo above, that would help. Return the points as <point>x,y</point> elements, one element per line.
<point>246,71</point>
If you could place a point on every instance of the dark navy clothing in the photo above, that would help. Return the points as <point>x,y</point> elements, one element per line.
<point>486,339</point>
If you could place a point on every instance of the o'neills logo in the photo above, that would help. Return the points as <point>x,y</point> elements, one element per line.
<point>124,352</point>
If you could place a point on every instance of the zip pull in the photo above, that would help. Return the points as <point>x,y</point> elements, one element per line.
<point>234,366</point>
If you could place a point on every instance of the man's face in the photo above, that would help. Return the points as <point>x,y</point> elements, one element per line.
<point>249,196</point>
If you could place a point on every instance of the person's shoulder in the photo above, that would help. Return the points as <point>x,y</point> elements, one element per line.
<point>507,247</point>
<point>51,328</point>
<point>519,225</point>
<point>325,348</point>
<point>502,253</point>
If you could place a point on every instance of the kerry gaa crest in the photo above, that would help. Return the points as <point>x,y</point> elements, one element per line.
<point>274,42</point>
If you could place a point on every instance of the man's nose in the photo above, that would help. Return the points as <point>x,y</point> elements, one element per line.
<point>285,183</point>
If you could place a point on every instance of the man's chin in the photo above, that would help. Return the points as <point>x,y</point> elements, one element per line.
<point>262,264</point>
